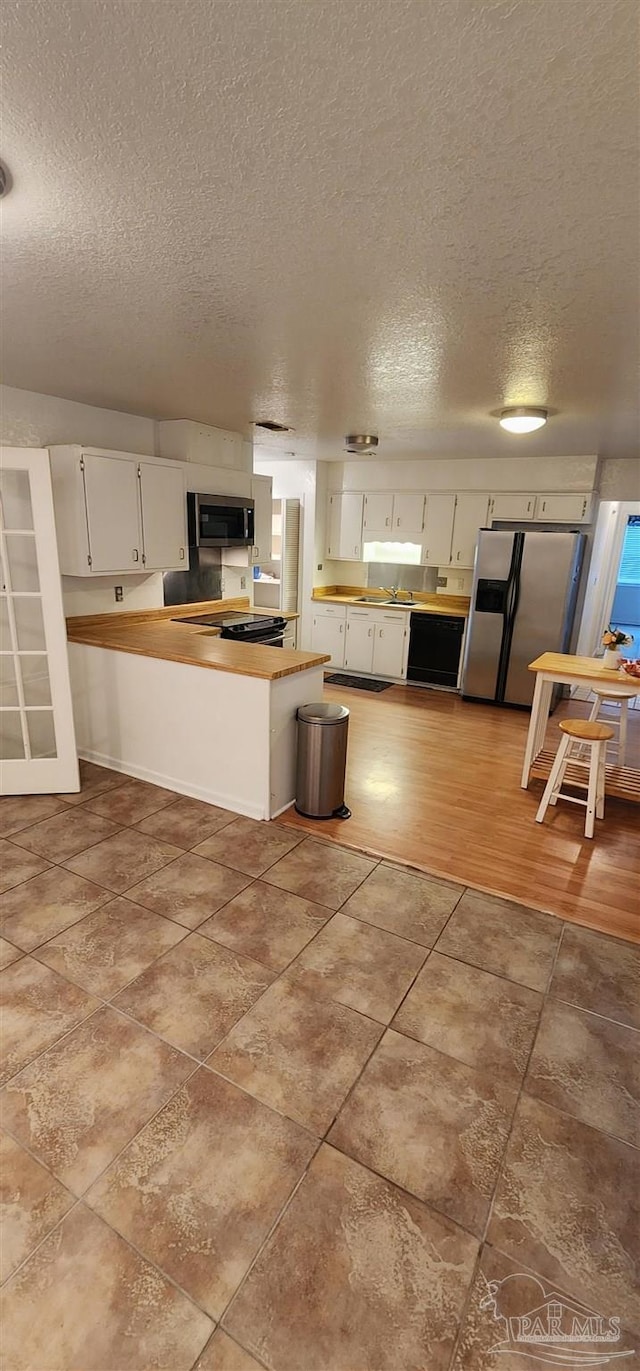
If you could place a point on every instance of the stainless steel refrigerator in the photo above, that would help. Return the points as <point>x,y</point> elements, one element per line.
<point>523,601</point>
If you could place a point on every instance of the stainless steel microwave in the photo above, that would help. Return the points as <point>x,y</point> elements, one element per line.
<point>220,520</point>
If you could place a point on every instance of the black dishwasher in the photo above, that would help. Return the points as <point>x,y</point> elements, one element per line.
<point>434,648</point>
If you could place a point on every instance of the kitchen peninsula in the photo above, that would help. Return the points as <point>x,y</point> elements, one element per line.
<point>171,703</point>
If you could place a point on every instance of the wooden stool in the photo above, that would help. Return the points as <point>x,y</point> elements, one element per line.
<point>614,695</point>
<point>578,734</point>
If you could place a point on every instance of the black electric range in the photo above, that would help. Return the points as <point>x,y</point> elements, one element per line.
<point>242,628</point>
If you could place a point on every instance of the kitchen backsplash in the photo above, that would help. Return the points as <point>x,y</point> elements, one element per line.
<point>387,574</point>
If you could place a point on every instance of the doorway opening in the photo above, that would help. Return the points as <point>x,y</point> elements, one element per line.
<point>625,610</point>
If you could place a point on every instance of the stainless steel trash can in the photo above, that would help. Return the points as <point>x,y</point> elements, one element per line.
<point>322,759</point>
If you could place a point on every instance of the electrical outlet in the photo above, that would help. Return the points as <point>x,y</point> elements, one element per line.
<point>243,583</point>
<point>441,581</point>
<point>119,594</point>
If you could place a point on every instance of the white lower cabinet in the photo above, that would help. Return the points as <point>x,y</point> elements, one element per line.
<point>377,642</point>
<point>390,647</point>
<point>371,641</point>
<point>359,650</point>
<point>329,634</point>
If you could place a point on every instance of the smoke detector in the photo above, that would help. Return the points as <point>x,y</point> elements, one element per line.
<point>361,443</point>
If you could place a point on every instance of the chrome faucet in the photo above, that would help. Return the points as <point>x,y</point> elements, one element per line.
<point>395,591</point>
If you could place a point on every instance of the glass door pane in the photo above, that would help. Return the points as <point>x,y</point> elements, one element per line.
<point>35,699</point>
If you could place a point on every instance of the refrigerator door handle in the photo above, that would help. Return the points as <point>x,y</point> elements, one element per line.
<point>512,598</point>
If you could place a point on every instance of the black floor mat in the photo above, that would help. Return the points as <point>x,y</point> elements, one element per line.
<point>358,682</point>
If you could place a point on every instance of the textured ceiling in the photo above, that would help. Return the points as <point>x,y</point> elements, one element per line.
<point>379,215</point>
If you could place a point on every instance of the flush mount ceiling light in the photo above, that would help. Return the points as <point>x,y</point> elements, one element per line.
<point>362,443</point>
<point>523,418</point>
<point>273,426</point>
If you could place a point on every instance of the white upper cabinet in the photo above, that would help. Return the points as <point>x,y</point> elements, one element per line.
<point>113,515</point>
<point>334,512</point>
<point>344,525</point>
<point>471,515</point>
<point>512,507</point>
<point>438,530</point>
<point>564,509</point>
<point>164,517</point>
<point>117,513</point>
<point>261,493</point>
<point>408,516</point>
<point>377,512</point>
<point>393,518</point>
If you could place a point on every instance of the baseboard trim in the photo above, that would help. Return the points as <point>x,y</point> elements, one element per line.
<point>140,773</point>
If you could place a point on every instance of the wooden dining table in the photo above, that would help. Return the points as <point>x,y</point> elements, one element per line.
<point>561,668</point>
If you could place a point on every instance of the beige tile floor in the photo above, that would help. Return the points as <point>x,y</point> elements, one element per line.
<point>270,1103</point>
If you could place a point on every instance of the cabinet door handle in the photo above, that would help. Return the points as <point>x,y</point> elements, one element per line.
<point>182,554</point>
<point>457,556</point>
<point>341,627</point>
<point>398,522</point>
<point>544,506</point>
<point>135,555</point>
<point>387,522</point>
<point>369,633</point>
<point>529,506</point>
<point>380,633</point>
<point>584,507</point>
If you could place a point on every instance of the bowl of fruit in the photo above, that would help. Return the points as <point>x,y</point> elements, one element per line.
<point>632,668</point>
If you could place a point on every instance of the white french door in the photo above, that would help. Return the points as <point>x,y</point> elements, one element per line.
<point>37,737</point>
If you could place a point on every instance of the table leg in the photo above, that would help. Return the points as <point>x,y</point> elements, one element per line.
<point>537,725</point>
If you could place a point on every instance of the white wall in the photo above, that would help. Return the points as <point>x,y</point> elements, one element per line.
<point>620,478</point>
<point>467,473</point>
<point>298,480</point>
<point>28,419</point>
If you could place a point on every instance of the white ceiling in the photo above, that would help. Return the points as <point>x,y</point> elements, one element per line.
<point>386,216</point>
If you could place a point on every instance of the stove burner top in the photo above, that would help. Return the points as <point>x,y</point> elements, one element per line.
<point>248,627</point>
<point>225,619</point>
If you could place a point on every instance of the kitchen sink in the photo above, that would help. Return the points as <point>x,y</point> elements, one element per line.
<point>375,600</point>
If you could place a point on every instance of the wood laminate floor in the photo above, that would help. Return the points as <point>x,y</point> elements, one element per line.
<point>434,781</point>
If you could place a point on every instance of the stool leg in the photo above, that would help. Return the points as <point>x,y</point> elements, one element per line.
<point>594,772</point>
<point>622,732</point>
<point>572,752</point>
<point>555,779</point>
<point>602,780</point>
<point>595,710</point>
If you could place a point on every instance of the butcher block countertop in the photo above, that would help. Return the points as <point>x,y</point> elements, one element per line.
<point>429,604</point>
<point>151,633</point>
